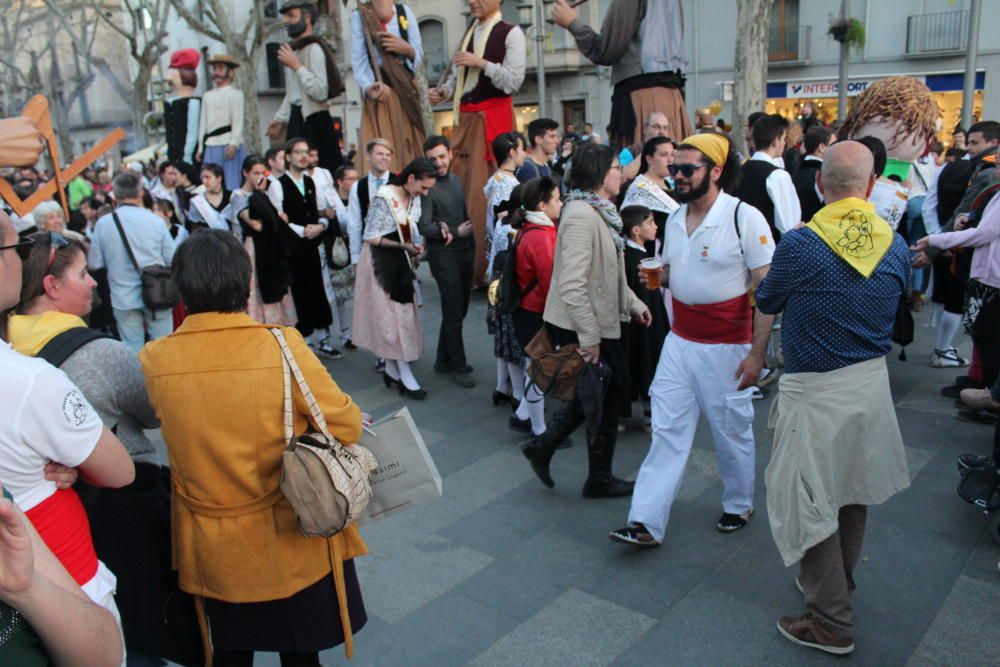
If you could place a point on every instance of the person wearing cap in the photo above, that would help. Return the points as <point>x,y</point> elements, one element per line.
<point>222,122</point>
<point>716,249</point>
<point>182,110</point>
<point>486,71</point>
<point>391,107</point>
<point>311,78</point>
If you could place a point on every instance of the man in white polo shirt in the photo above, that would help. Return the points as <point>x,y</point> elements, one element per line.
<point>716,249</point>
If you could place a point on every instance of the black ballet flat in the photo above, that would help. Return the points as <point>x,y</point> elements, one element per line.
<point>500,397</point>
<point>417,394</point>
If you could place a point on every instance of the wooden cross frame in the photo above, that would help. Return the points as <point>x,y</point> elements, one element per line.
<point>37,109</point>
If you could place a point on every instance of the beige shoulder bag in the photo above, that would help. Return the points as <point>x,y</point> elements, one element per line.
<point>327,484</point>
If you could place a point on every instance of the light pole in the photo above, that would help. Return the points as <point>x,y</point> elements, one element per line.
<point>526,21</point>
<point>969,84</point>
<point>845,54</point>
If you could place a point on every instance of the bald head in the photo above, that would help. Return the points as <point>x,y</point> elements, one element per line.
<point>847,171</point>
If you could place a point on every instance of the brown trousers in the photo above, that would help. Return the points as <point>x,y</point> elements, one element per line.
<point>826,572</point>
<point>473,170</point>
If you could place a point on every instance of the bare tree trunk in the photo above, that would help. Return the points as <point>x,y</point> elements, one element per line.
<point>753,25</point>
<point>246,80</point>
<point>141,107</point>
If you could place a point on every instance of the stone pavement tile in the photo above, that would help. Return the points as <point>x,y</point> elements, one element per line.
<point>918,661</point>
<point>508,587</point>
<point>964,631</point>
<point>449,631</point>
<point>917,458</point>
<point>925,397</point>
<point>464,492</point>
<point>982,563</point>
<point>500,527</point>
<point>399,581</point>
<point>707,627</point>
<point>575,629</point>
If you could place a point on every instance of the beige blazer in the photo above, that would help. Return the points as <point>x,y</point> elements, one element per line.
<point>589,293</point>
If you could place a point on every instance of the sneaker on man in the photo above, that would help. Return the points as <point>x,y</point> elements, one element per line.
<point>635,534</point>
<point>973,462</point>
<point>983,417</point>
<point>948,359</point>
<point>729,523</point>
<point>767,376</point>
<point>807,630</point>
<point>464,380</point>
<point>328,350</point>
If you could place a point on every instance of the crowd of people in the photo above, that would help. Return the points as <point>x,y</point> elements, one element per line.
<point>663,261</point>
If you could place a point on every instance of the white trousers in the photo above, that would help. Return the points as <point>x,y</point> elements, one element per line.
<point>692,378</point>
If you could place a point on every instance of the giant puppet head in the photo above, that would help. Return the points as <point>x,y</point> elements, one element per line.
<point>902,112</point>
<point>183,73</point>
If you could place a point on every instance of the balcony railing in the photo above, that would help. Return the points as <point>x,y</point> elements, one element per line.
<point>789,44</point>
<point>934,33</point>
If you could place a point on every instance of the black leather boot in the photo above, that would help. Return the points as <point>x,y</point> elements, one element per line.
<point>539,450</point>
<point>601,483</point>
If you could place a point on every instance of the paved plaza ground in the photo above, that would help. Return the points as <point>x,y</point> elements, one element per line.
<point>502,571</point>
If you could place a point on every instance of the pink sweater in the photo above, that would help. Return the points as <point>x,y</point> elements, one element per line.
<point>985,239</point>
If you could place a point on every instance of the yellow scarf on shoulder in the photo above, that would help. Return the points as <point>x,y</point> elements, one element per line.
<point>28,334</point>
<point>854,232</point>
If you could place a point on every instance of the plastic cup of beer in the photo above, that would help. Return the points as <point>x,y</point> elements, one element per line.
<point>651,267</point>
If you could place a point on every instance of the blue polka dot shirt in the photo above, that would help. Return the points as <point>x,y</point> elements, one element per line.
<point>833,316</point>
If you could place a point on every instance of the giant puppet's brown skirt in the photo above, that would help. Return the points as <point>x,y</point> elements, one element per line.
<point>473,170</point>
<point>669,101</point>
<point>387,120</point>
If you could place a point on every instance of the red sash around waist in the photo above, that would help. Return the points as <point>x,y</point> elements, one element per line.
<point>498,117</point>
<point>62,523</point>
<point>724,322</point>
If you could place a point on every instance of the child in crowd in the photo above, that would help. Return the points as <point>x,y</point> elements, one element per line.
<point>642,344</point>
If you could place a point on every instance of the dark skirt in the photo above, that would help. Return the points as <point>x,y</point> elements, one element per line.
<point>306,622</point>
<point>526,325</point>
<point>505,342</point>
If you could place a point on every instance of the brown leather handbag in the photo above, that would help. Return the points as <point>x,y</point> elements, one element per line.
<point>554,370</point>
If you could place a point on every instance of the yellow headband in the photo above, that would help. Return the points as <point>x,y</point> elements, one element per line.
<point>713,145</point>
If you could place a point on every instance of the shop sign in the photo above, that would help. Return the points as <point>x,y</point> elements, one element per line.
<point>829,88</point>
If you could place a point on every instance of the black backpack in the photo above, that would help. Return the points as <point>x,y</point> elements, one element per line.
<point>59,349</point>
<point>509,293</point>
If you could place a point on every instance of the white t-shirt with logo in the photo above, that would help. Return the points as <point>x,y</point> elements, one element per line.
<point>708,267</point>
<point>46,418</point>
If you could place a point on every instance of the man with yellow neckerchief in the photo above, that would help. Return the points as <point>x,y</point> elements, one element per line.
<point>487,70</point>
<point>837,446</point>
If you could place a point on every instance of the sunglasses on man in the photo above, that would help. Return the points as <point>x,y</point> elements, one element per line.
<point>686,169</point>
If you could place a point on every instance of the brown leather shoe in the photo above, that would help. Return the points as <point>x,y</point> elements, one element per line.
<point>806,630</point>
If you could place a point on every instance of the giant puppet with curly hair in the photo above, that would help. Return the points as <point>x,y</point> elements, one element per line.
<point>902,113</point>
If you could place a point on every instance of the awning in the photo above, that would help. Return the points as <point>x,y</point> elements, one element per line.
<point>148,153</point>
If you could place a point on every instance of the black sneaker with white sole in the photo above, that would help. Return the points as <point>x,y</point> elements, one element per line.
<point>634,534</point>
<point>729,523</point>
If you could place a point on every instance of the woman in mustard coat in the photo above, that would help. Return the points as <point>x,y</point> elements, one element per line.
<point>216,384</point>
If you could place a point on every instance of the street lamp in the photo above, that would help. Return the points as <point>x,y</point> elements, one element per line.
<point>525,20</point>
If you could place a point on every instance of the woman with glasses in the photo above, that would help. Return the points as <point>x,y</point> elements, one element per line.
<point>56,294</point>
<point>56,422</point>
<point>387,322</point>
<point>588,299</point>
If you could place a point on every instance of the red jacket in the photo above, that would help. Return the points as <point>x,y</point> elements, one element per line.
<point>536,251</point>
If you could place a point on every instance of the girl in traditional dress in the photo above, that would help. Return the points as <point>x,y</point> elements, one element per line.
<point>266,238</point>
<point>208,208</point>
<point>388,323</point>
<point>650,188</point>
<point>509,149</point>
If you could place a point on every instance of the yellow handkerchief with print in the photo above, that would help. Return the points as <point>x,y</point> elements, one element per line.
<point>854,232</point>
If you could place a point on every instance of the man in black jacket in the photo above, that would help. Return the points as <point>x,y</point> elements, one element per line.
<point>817,139</point>
<point>444,223</point>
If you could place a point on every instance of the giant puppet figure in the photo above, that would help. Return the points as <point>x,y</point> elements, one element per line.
<point>643,43</point>
<point>182,110</point>
<point>222,122</point>
<point>311,79</point>
<point>386,50</point>
<point>902,112</point>
<point>486,71</point>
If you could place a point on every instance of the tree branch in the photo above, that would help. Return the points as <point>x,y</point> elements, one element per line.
<point>194,23</point>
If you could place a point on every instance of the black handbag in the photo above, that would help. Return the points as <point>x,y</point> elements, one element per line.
<point>158,289</point>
